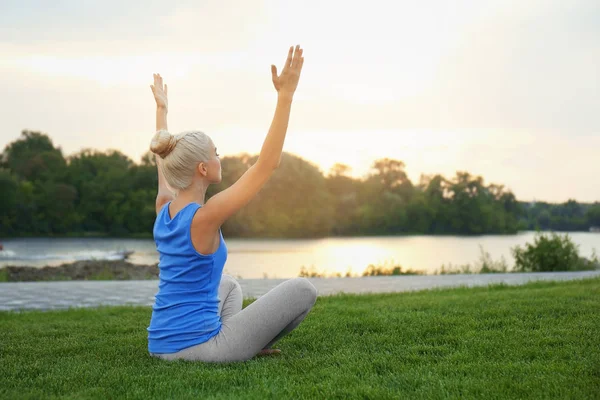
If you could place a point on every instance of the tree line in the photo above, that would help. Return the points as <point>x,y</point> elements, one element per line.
<point>91,192</point>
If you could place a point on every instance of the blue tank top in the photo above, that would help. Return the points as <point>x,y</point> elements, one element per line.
<point>185,311</point>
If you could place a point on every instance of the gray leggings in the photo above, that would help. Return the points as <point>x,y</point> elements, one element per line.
<point>246,332</point>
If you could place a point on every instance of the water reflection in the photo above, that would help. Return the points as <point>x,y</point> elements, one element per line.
<point>283,258</point>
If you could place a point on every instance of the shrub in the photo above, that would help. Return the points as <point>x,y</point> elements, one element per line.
<point>485,265</point>
<point>371,270</point>
<point>377,270</point>
<point>313,273</point>
<point>305,273</point>
<point>551,253</point>
<point>452,270</point>
<point>488,266</point>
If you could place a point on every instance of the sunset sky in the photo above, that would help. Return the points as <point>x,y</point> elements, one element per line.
<point>509,90</point>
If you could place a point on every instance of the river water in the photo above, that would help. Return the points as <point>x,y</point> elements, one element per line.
<point>283,258</point>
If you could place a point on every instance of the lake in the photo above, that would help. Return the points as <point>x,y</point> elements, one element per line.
<point>283,258</point>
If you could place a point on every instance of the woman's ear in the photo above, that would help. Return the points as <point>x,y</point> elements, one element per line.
<point>202,169</point>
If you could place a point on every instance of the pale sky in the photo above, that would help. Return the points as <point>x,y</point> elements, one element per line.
<point>509,90</point>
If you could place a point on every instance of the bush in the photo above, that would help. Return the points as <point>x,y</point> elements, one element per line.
<point>372,270</point>
<point>551,253</point>
<point>485,265</point>
<point>452,270</point>
<point>312,273</point>
<point>489,266</point>
<point>379,270</point>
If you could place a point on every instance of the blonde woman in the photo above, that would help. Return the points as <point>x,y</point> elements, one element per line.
<point>197,314</point>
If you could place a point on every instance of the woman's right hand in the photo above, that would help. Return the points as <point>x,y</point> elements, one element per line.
<point>160,92</point>
<point>287,82</point>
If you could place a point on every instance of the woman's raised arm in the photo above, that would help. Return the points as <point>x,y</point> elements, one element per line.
<point>227,202</point>
<point>162,108</point>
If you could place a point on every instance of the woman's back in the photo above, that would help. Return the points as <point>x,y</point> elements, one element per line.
<point>185,312</point>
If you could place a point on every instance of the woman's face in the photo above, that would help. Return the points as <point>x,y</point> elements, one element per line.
<point>217,165</point>
<point>211,168</point>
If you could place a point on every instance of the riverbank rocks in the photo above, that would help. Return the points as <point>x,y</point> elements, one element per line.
<point>80,270</point>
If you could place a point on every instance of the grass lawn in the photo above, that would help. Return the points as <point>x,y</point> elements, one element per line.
<point>539,340</point>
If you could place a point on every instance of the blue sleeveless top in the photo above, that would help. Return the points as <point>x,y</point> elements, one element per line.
<point>185,311</point>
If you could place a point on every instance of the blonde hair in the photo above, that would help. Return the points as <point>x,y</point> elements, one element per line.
<point>181,154</point>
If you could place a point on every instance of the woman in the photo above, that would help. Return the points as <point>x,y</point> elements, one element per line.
<point>198,312</point>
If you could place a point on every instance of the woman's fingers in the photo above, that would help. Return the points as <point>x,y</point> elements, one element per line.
<point>297,54</point>
<point>158,82</point>
<point>288,62</point>
<point>273,72</point>
<point>274,77</point>
<point>300,60</point>
<point>166,90</point>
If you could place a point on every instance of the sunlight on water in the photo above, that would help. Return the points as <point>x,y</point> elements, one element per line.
<point>353,257</point>
<point>284,258</point>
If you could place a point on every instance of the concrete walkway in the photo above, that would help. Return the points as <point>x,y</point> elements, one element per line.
<point>65,294</point>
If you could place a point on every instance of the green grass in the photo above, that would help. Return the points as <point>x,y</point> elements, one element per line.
<point>539,340</point>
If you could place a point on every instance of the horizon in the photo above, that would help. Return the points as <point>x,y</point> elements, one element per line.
<point>500,89</point>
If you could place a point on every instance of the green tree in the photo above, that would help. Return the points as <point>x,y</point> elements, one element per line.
<point>344,192</point>
<point>107,193</point>
<point>33,155</point>
<point>593,215</point>
<point>8,202</point>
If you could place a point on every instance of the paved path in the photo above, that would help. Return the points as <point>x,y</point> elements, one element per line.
<point>65,294</point>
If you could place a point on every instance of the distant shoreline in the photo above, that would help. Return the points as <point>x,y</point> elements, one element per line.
<point>149,235</point>
<point>80,270</point>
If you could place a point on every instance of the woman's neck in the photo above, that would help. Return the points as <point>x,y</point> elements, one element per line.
<point>194,194</point>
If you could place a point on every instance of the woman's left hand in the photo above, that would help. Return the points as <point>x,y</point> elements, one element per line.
<point>160,93</point>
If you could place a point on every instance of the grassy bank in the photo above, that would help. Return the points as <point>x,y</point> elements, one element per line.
<point>539,340</point>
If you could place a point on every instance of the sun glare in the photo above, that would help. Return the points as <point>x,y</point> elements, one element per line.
<point>341,258</point>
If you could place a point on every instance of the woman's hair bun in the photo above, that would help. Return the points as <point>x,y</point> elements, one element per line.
<point>163,143</point>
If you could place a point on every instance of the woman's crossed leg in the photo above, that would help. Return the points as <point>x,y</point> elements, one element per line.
<point>244,333</point>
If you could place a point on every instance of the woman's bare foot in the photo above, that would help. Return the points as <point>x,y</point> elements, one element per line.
<point>267,352</point>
